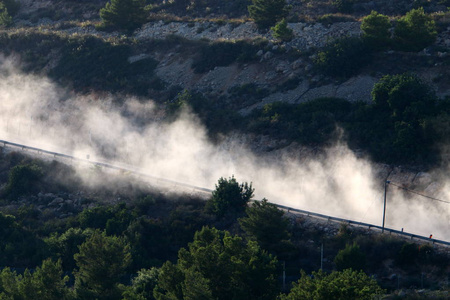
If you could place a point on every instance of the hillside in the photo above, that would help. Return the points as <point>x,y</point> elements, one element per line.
<point>201,94</point>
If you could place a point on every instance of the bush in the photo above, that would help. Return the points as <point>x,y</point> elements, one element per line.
<point>5,18</point>
<point>310,123</point>
<point>221,54</point>
<point>343,285</point>
<point>266,224</point>
<point>220,266</point>
<point>414,31</point>
<point>282,32</point>
<point>124,14</point>
<point>91,62</point>
<point>405,96</point>
<point>267,13</point>
<point>23,179</point>
<point>343,57</point>
<point>375,28</point>
<point>229,196</point>
<point>351,257</point>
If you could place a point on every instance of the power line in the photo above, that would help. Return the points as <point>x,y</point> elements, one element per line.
<point>417,193</point>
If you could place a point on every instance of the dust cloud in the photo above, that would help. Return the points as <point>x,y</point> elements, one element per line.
<point>36,112</point>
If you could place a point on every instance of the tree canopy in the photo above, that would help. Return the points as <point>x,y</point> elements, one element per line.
<point>124,14</point>
<point>375,28</point>
<point>101,262</point>
<point>266,224</point>
<point>415,31</point>
<point>229,196</point>
<point>267,13</point>
<point>217,265</point>
<point>344,285</point>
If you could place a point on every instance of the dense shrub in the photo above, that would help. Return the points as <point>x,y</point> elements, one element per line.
<point>414,31</point>
<point>23,179</point>
<point>5,18</point>
<point>267,13</point>
<point>124,14</point>
<point>375,28</point>
<point>217,265</point>
<point>229,196</point>
<point>90,62</point>
<point>282,32</point>
<point>312,122</point>
<point>220,54</point>
<point>351,257</point>
<point>18,246</point>
<point>343,57</point>
<point>266,224</point>
<point>347,284</point>
<point>217,116</point>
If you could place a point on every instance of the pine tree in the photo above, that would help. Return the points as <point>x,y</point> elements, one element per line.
<point>282,32</point>
<point>124,14</point>
<point>267,13</point>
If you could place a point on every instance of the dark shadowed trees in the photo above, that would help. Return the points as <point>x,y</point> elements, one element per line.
<point>218,265</point>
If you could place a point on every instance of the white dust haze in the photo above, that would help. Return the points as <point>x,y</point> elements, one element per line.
<point>35,112</point>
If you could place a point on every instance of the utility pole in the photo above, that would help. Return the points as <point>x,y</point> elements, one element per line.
<point>321,257</point>
<point>384,206</point>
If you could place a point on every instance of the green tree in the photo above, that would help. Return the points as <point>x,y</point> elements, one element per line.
<point>66,245</point>
<point>415,31</point>
<point>22,179</point>
<point>375,28</point>
<point>229,196</point>
<point>124,14</point>
<point>343,57</point>
<point>405,96</point>
<point>266,224</point>
<point>351,257</point>
<point>282,32</point>
<point>142,285</point>
<point>101,262</point>
<point>406,103</point>
<point>46,282</point>
<point>344,285</point>
<point>49,282</point>
<point>5,17</point>
<point>218,266</point>
<point>267,13</point>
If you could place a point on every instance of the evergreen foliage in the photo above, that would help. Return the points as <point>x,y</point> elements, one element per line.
<point>267,13</point>
<point>124,14</point>
<point>266,224</point>
<point>142,285</point>
<point>282,32</point>
<point>5,17</point>
<point>343,57</point>
<point>229,196</point>
<point>415,31</point>
<point>344,285</point>
<point>46,282</point>
<point>22,179</point>
<point>351,257</point>
<point>217,265</point>
<point>375,28</point>
<point>101,262</point>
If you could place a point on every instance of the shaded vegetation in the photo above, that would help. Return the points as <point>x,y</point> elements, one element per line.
<point>130,250</point>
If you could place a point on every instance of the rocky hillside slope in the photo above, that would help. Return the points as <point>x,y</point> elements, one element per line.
<point>281,71</point>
